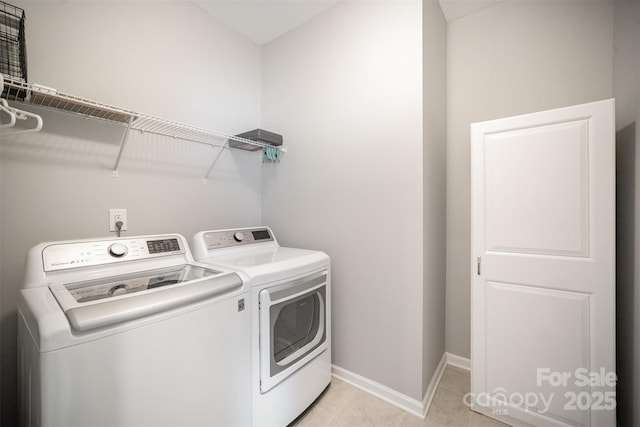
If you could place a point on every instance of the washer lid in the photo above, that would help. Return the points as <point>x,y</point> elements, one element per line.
<point>110,287</point>
<point>103,302</point>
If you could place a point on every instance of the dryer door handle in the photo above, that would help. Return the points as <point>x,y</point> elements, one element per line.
<point>129,308</point>
<point>296,288</point>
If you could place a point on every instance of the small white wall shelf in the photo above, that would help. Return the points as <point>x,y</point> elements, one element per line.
<point>16,90</point>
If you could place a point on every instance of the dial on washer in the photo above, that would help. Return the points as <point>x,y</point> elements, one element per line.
<point>238,236</point>
<point>117,250</point>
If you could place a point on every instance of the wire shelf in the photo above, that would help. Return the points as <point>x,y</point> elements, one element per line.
<point>80,106</point>
<point>150,124</point>
<point>51,98</point>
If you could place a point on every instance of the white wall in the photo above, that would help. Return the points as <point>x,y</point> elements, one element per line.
<point>626,89</point>
<point>346,91</point>
<point>434,162</point>
<point>168,59</point>
<point>508,59</point>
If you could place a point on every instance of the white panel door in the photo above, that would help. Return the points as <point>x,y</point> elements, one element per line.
<point>543,267</point>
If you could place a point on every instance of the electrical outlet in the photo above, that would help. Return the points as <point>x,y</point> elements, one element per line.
<point>116,215</point>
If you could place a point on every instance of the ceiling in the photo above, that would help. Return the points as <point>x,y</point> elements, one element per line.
<point>454,9</point>
<point>265,20</point>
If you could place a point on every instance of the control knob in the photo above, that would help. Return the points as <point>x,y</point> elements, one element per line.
<point>120,289</point>
<point>238,236</point>
<point>117,250</point>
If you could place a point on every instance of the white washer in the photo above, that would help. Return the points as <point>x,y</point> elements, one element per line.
<point>132,332</point>
<point>291,317</point>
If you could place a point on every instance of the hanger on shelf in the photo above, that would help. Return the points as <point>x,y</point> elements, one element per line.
<point>4,107</point>
<point>16,114</point>
<point>24,115</point>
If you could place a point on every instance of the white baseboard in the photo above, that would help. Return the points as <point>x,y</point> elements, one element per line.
<point>381,391</point>
<point>402,401</point>
<point>458,361</point>
<point>433,385</point>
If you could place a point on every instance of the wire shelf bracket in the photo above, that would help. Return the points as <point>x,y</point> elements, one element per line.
<point>122,144</point>
<point>215,160</point>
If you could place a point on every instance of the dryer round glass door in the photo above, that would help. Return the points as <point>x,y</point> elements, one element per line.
<point>292,327</point>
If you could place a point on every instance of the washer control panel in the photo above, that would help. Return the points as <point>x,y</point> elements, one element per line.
<point>62,256</point>
<point>228,238</point>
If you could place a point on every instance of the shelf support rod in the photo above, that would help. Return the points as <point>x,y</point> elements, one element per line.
<point>220,151</point>
<point>122,144</point>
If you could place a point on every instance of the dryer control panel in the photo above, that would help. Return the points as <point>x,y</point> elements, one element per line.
<point>62,256</point>
<point>243,236</point>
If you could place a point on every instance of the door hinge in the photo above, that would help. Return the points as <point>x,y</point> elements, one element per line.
<point>478,262</point>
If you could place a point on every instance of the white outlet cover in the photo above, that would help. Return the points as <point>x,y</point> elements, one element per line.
<point>117,215</point>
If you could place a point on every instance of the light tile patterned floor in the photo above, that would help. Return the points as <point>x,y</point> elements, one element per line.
<point>343,405</point>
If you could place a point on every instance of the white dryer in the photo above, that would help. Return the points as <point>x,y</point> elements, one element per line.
<point>291,317</point>
<point>132,332</point>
